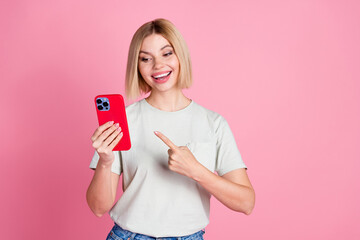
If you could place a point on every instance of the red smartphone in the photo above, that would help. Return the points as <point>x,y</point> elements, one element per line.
<point>111,107</point>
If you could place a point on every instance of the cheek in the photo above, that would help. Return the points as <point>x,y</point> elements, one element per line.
<point>143,69</point>
<point>175,64</point>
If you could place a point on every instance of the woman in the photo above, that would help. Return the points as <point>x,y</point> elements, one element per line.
<point>168,174</point>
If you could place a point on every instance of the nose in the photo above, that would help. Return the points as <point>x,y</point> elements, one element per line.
<point>158,63</point>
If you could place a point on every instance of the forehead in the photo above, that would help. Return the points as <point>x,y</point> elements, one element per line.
<point>153,43</point>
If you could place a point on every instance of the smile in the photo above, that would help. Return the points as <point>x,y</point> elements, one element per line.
<point>162,77</point>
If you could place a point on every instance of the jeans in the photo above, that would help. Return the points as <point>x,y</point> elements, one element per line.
<point>117,233</point>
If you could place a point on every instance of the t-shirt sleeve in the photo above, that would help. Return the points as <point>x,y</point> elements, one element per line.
<point>228,155</point>
<point>116,165</point>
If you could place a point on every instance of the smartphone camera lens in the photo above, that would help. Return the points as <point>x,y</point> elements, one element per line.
<point>103,104</point>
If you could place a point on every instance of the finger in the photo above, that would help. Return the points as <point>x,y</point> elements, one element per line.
<point>116,141</point>
<point>104,135</point>
<point>170,151</point>
<point>108,132</point>
<point>111,137</point>
<point>167,141</point>
<point>100,129</point>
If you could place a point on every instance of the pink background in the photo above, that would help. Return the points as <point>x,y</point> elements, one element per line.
<point>285,74</point>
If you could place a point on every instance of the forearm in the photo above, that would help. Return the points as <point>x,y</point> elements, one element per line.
<point>235,196</point>
<point>100,195</point>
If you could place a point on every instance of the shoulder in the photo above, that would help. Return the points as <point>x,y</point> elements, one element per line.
<point>133,107</point>
<point>216,119</point>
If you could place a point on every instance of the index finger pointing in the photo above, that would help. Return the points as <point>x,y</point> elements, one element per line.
<point>167,141</point>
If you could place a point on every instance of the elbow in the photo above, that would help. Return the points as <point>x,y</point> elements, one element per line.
<point>248,206</point>
<point>245,208</point>
<point>249,210</point>
<point>98,214</point>
<point>97,211</point>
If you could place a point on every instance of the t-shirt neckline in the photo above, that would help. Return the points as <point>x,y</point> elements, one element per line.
<point>187,108</point>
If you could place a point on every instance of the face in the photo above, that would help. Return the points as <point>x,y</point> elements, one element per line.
<point>158,64</point>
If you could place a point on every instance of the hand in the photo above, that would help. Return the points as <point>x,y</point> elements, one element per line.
<point>105,139</point>
<point>181,159</point>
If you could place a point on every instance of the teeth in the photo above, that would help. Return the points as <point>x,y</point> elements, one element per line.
<point>162,75</point>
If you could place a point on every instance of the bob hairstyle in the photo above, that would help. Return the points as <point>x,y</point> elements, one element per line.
<point>135,85</point>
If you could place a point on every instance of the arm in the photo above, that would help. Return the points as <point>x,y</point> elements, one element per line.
<point>233,189</point>
<point>101,193</point>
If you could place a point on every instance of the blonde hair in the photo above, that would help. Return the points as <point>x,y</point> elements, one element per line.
<point>135,85</point>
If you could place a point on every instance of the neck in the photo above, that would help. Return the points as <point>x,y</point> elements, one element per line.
<point>168,101</point>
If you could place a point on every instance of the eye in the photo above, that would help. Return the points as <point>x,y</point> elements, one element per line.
<point>168,54</point>
<point>143,59</point>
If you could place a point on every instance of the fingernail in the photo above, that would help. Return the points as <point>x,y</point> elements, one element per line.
<point>156,132</point>
<point>111,122</point>
<point>117,124</point>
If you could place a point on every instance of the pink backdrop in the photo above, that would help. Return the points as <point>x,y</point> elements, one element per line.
<point>285,74</point>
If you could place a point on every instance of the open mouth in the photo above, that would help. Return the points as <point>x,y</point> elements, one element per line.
<point>163,77</point>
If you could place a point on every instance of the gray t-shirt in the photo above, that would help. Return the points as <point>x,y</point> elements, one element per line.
<point>157,201</point>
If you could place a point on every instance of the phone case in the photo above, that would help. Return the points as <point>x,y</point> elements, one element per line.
<point>111,107</point>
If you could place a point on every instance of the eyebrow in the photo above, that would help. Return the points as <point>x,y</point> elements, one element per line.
<point>167,45</point>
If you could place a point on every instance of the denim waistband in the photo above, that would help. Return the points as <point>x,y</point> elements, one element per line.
<point>118,233</point>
